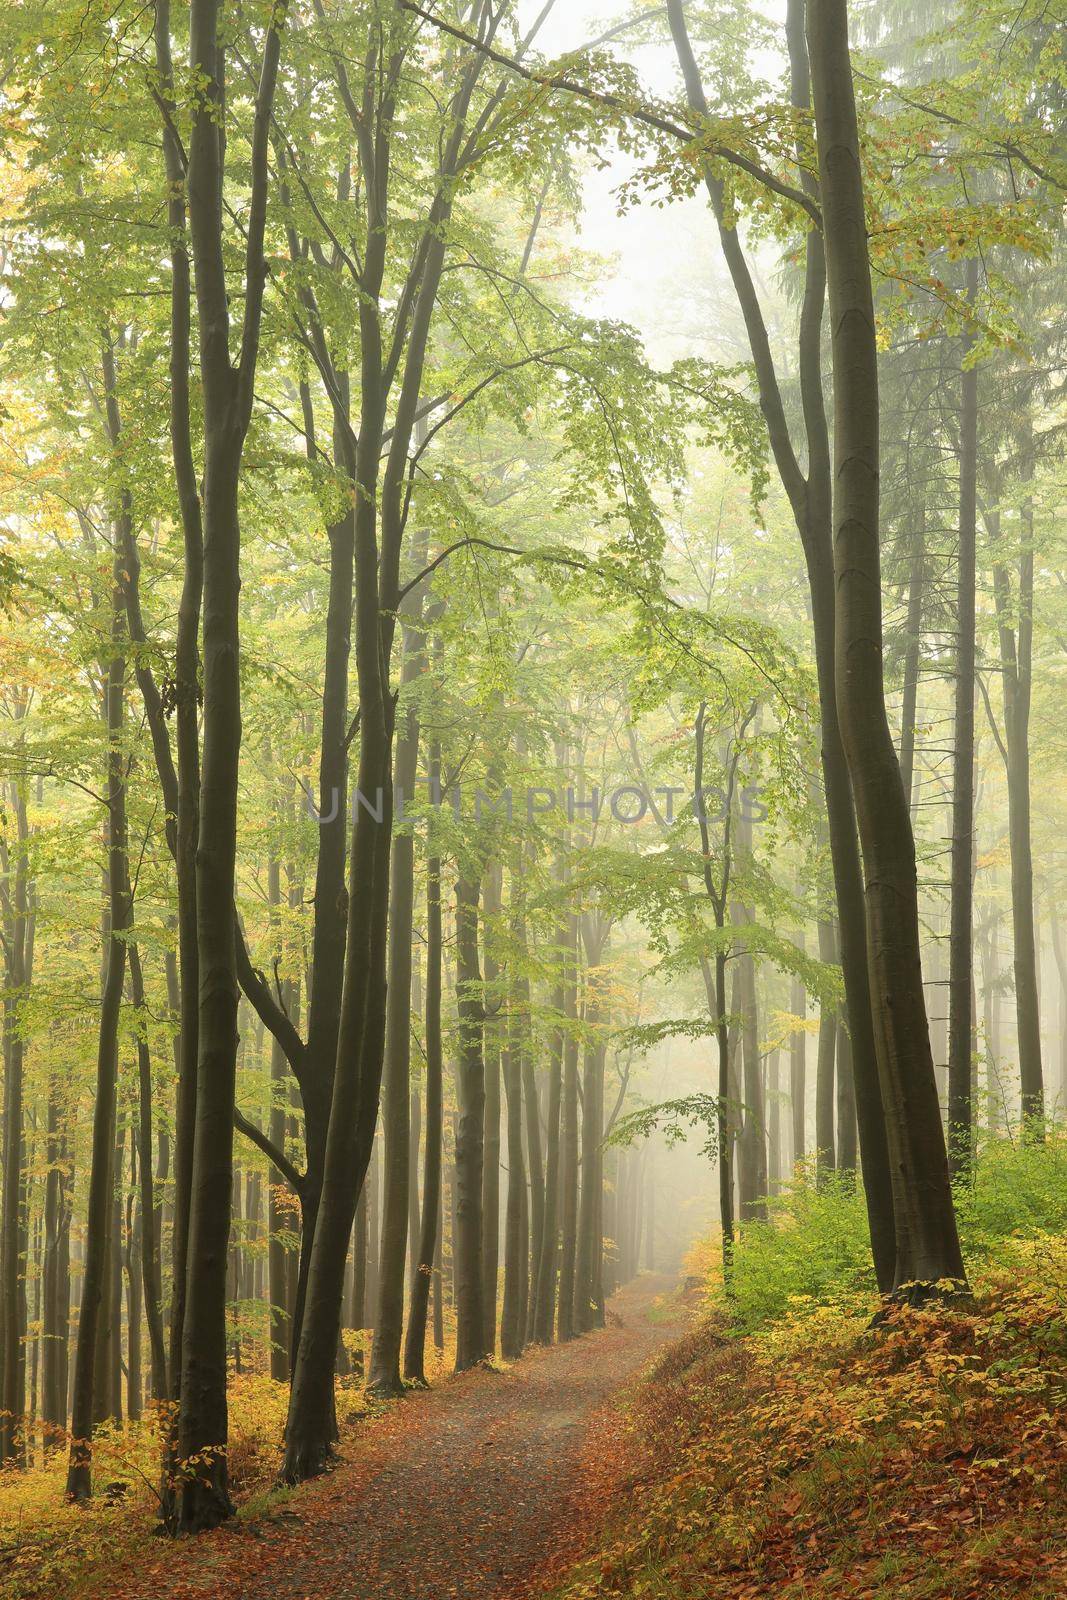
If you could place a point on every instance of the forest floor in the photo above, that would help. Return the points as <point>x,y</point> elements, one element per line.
<point>822,1459</point>
<point>485,1488</point>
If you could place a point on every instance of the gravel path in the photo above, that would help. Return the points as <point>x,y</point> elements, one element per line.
<point>468,1493</point>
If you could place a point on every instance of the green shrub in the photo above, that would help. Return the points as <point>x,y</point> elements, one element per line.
<point>814,1249</point>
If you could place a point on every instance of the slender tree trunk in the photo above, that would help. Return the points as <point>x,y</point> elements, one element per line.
<point>569,1160</point>
<point>12,1268</point>
<point>912,659</point>
<point>1016,647</point>
<point>535,1166</point>
<point>491,1128</point>
<point>825,1094</point>
<point>928,1248</point>
<point>55,1328</point>
<point>389,1320</point>
<point>511,1331</point>
<point>414,1154</point>
<point>227,404</point>
<point>149,1204</point>
<point>470,1073</point>
<point>961,931</point>
<point>96,1287</point>
<point>810,500</point>
<point>547,1266</point>
<point>798,1088</point>
<point>774,1125</point>
<point>186,688</point>
<point>847,1152</point>
<point>429,1261</point>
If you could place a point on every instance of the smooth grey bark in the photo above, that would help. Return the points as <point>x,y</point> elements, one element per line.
<point>512,1331</point>
<point>96,1282</point>
<point>17,950</point>
<point>912,657</point>
<point>547,1266</point>
<point>569,1137</point>
<point>55,1331</point>
<point>491,1124</point>
<point>927,1241</point>
<point>1016,652</point>
<point>847,1152</point>
<point>384,1376</point>
<point>428,1265</point>
<point>810,500</point>
<point>798,1063</point>
<point>150,1275</point>
<point>961,871</point>
<point>470,1085</point>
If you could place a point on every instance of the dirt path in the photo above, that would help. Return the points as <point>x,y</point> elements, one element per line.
<point>476,1491</point>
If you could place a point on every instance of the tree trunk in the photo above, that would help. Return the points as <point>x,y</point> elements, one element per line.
<point>569,1161</point>
<point>798,1088</point>
<point>912,658</point>
<point>470,1074</point>
<point>56,1299</point>
<point>389,1320</point>
<point>96,1286</point>
<point>810,500</point>
<point>928,1249</point>
<point>227,406</point>
<point>1016,647</point>
<point>429,1265</point>
<point>847,1153</point>
<point>961,930</point>
<point>491,1128</point>
<point>149,1205</point>
<point>512,1333</point>
<point>774,1125</point>
<point>545,1298</point>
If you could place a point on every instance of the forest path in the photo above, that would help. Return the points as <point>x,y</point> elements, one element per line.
<point>478,1490</point>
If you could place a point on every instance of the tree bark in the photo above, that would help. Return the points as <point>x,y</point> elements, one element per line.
<point>96,1285</point>
<point>428,1266</point>
<point>470,1074</point>
<point>927,1242</point>
<point>810,500</point>
<point>961,927</point>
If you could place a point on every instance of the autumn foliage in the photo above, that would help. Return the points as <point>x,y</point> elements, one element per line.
<point>923,1458</point>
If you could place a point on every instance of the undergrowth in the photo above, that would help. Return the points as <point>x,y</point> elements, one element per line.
<point>51,1548</point>
<point>790,1450</point>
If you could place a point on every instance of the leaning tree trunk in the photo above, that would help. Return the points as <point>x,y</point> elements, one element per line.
<point>928,1248</point>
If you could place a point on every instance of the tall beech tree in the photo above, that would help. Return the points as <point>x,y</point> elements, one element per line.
<point>227,393</point>
<point>810,496</point>
<point>927,1241</point>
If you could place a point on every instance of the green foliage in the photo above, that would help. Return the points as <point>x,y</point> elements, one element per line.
<point>815,1248</point>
